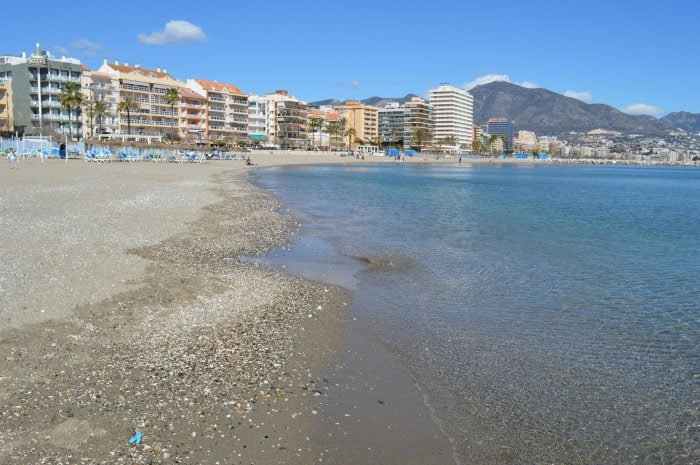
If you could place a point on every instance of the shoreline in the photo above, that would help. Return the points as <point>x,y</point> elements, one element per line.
<point>126,306</point>
<point>206,355</point>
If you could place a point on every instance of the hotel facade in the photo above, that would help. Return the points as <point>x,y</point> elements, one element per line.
<point>453,115</point>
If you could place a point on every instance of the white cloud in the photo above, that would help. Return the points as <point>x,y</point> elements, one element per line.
<point>529,85</point>
<point>175,32</point>
<point>87,48</point>
<point>355,84</point>
<point>497,78</point>
<point>642,109</point>
<point>486,80</point>
<point>585,97</point>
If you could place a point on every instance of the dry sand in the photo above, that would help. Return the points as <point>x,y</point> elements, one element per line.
<point>125,306</point>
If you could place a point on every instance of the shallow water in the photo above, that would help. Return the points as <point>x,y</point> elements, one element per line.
<point>549,313</point>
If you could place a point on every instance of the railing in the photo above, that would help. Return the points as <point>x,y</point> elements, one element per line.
<point>135,88</point>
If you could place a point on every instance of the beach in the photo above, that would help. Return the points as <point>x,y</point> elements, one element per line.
<point>133,329</point>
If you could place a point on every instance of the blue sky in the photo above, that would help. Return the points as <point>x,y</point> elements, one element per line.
<point>641,57</point>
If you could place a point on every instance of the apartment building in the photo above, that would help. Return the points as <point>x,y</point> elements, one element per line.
<point>477,136</point>
<point>502,128</point>
<point>257,119</point>
<point>286,120</point>
<point>397,122</point>
<point>390,121</point>
<point>418,115</point>
<point>527,141</point>
<point>152,117</point>
<point>364,119</point>
<point>453,115</point>
<point>226,111</point>
<point>100,120</point>
<point>192,117</point>
<point>36,82</point>
<point>6,121</point>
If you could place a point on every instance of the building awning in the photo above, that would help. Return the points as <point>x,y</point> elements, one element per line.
<point>257,136</point>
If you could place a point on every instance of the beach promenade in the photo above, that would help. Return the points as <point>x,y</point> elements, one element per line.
<point>125,308</point>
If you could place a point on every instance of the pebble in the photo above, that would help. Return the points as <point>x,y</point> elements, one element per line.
<point>190,349</point>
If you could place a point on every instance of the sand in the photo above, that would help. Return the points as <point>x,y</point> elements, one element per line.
<point>126,306</point>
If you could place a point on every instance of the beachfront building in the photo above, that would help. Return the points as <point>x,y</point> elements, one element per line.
<point>364,119</point>
<point>390,120</point>
<point>151,117</point>
<point>6,123</point>
<point>192,117</point>
<point>453,116</point>
<point>36,83</point>
<point>257,119</point>
<point>478,141</point>
<point>286,120</point>
<point>501,128</point>
<point>397,122</point>
<point>548,144</point>
<point>526,141</point>
<point>100,120</point>
<point>226,111</point>
<point>418,115</point>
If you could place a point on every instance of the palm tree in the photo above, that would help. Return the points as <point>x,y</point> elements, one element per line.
<point>316,124</point>
<point>492,139</point>
<point>351,132</point>
<point>89,105</point>
<point>101,109</point>
<point>126,105</point>
<point>504,138</point>
<point>421,135</point>
<point>172,96</point>
<point>343,123</point>
<point>332,129</point>
<point>71,97</point>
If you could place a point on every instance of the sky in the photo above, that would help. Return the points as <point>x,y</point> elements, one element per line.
<point>641,57</point>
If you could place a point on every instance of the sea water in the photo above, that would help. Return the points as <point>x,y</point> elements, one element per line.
<point>549,313</point>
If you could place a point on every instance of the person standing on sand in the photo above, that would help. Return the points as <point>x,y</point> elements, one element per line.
<point>12,159</point>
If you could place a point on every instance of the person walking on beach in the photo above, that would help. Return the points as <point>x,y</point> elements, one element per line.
<point>12,159</point>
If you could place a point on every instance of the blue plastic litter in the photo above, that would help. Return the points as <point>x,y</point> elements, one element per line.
<point>136,438</point>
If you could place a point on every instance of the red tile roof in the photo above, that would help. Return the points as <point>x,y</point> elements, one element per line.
<point>138,69</point>
<point>219,86</point>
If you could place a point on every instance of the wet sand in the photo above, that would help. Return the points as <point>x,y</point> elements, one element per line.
<point>126,306</point>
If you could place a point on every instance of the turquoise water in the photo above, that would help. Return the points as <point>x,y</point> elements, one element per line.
<point>550,314</point>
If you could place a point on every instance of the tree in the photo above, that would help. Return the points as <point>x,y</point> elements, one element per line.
<point>89,105</point>
<point>477,146</point>
<point>101,109</point>
<point>447,140</point>
<point>71,97</point>
<point>421,135</point>
<point>332,129</point>
<point>351,132</point>
<point>316,124</point>
<point>126,105</point>
<point>504,138</point>
<point>172,96</point>
<point>492,139</point>
<point>341,128</point>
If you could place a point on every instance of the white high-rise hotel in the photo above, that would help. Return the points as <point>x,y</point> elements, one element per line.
<point>453,114</point>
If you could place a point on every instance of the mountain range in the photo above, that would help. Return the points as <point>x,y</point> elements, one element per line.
<point>549,113</point>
